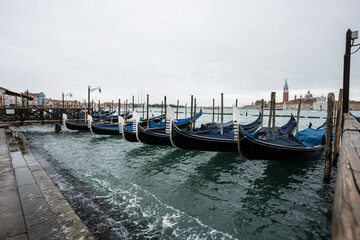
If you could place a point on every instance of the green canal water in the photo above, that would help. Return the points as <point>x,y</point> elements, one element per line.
<point>124,190</point>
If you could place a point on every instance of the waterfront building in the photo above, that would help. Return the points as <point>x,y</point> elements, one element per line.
<point>308,102</point>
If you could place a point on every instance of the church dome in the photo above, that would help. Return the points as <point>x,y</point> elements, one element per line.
<point>308,95</point>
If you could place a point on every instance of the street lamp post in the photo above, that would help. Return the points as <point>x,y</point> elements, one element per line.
<point>91,90</point>
<point>63,98</point>
<point>350,38</point>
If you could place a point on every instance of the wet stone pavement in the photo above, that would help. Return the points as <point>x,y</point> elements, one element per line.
<point>31,206</point>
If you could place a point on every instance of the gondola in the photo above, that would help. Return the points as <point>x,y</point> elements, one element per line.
<point>113,129</point>
<point>131,134</point>
<point>287,149</point>
<point>208,142</point>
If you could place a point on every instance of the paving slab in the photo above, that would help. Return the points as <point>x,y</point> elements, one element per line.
<point>24,176</point>
<point>11,217</point>
<point>31,206</point>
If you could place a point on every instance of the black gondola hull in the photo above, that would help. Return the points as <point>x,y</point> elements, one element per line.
<point>256,149</point>
<point>77,126</point>
<point>152,137</point>
<point>104,130</point>
<point>129,135</point>
<point>186,141</point>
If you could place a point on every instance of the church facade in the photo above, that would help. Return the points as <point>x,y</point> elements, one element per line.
<point>308,102</point>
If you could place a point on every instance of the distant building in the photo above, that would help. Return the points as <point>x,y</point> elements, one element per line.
<point>307,103</point>
<point>39,98</point>
<point>13,99</point>
<point>286,92</point>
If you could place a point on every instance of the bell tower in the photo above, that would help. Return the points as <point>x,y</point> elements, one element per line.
<point>286,92</point>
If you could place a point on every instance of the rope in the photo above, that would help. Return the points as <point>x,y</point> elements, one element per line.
<point>350,129</point>
<point>242,138</point>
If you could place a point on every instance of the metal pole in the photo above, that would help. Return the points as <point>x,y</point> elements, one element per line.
<point>236,103</point>
<point>63,101</point>
<point>346,76</point>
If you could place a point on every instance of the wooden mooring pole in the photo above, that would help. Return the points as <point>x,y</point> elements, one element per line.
<point>213,108</point>
<point>270,115</point>
<point>177,109</point>
<point>338,128</point>
<point>273,117</point>
<point>99,110</point>
<point>328,145</point>
<point>191,112</point>
<point>298,116</point>
<point>165,106</point>
<point>185,109</point>
<point>222,114</point>
<point>262,113</point>
<point>133,103</point>
<point>119,109</point>
<point>194,112</point>
<point>147,111</point>
<point>162,105</point>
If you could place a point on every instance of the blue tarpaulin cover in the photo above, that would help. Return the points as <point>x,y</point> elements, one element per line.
<point>311,137</point>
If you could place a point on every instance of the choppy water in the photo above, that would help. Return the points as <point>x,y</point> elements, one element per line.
<point>125,190</point>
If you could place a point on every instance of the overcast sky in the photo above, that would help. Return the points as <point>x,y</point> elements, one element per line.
<point>244,49</point>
